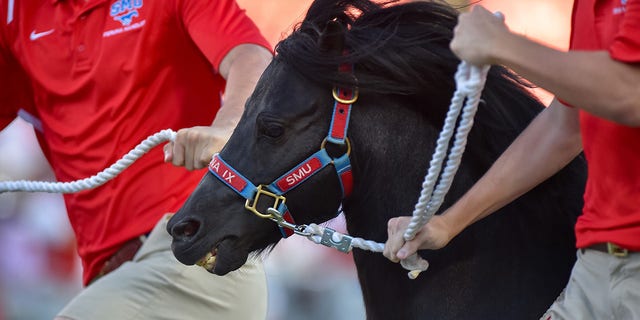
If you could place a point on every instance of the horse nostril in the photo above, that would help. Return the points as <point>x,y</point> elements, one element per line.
<point>185,229</point>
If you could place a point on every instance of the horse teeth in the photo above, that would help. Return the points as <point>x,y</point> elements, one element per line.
<point>201,261</point>
<point>207,262</point>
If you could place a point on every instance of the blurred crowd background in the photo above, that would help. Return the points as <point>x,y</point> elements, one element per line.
<point>39,268</point>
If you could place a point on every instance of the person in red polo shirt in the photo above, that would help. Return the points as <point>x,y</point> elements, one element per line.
<point>598,82</point>
<point>95,78</point>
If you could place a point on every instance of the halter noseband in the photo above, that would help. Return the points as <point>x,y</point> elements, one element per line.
<point>278,212</point>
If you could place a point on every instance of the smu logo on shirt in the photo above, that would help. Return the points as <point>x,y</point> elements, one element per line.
<point>124,11</point>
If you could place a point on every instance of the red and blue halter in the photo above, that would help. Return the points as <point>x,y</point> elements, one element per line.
<point>278,212</point>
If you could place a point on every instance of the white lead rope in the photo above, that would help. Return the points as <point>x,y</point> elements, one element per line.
<point>95,180</point>
<point>470,81</point>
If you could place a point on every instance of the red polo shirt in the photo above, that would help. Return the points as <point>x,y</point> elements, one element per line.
<point>96,78</point>
<point>612,197</point>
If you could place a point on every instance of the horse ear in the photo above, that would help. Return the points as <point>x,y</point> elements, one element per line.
<point>332,38</point>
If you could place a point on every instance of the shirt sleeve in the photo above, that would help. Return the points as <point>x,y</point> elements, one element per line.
<point>626,44</point>
<point>216,27</point>
<point>15,88</point>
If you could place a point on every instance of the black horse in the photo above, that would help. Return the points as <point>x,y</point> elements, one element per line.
<point>511,265</point>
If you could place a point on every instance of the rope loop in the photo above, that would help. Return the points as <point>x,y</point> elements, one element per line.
<point>470,81</point>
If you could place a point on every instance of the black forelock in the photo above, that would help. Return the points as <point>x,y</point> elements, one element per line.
<point>395,48</point>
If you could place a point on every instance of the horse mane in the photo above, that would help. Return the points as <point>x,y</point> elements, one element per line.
<point>396,48</point>
<point>402,50</point>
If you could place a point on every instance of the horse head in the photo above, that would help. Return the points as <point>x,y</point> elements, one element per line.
<point>284,123</point>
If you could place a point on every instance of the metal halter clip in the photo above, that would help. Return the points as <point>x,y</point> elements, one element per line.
<point>276,216</point>
<point>341,242</point>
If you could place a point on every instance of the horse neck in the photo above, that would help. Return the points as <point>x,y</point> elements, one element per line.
<point>392,146</point>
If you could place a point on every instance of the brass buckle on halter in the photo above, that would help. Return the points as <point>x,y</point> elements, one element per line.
<point>251,204</point>
<point>345,101</point>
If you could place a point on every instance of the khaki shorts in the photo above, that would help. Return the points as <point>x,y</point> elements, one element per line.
<point>156,286</point>
<point>601,287</point>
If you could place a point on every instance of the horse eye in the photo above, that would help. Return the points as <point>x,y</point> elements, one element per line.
<point>269,126</point>
<point>273,130</point>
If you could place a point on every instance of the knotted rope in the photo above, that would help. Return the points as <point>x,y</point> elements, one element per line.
<point>95,180</point>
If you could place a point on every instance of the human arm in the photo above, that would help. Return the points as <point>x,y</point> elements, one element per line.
<point>590,80</point>
<point>237,51</point>
<point>548,144</point>
<point>8,111</point>
<point>15,87</point>
<point>241,67</point>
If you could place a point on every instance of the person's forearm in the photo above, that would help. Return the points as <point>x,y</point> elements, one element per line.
<point>546,146</point>
<point>241,67</point>
<point>242,70</point>
<point>590,80</point>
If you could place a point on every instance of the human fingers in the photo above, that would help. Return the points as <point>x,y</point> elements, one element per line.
<point>210,143</point>
<point>395,238</point>
<point>476,35</point>
<point>178,151</point>
<point>204,143</point>
<point>204,158</point>
<point>408,248</point>
<point>168,151</point>
<point>191,158</point>
<point>190,145</point>
<point>482,13</point>
<point>200,144</point>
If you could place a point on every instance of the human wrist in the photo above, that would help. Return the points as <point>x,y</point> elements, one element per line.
<point>451,225</point>
<point>502,48</point>
<point>519,53</point>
